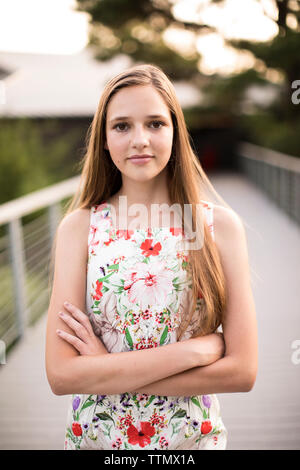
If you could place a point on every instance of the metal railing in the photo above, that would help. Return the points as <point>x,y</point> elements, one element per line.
<point>25,253</point>
<point>275,173</point>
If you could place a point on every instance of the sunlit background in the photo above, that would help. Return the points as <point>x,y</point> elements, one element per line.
<point>53,27</point>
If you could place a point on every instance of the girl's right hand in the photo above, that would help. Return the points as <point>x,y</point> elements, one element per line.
<point>210,348</point>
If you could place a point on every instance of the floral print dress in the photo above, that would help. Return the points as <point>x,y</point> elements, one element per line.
<point>137,290</point>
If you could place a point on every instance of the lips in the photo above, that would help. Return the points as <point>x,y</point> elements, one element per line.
<point>140,156</point>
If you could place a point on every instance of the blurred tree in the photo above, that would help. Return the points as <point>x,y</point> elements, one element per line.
<point>282,53</point>
<point>136,28</point>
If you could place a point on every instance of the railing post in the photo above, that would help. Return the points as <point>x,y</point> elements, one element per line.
<point>18,270</point>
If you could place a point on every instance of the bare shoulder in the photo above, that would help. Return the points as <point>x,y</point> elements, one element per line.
<point>73,229</point>
<point>76,223</point>
<point>228,228</point>
<point>79,218</point>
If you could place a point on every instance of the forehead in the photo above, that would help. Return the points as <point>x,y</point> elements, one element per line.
<point>137,100</point>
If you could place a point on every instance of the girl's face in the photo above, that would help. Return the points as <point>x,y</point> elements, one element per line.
<point>139,122</point>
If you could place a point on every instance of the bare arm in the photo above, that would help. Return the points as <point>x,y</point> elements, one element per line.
<point>119,372</point>
<point>69,372</point>
<point>236,372</point>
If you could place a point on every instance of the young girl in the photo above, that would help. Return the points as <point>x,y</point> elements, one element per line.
<point>138,347</point>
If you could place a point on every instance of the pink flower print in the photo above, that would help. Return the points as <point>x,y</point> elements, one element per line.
<point>148,249</point>
<point>99,207</point>
<point>149,284</point>
<point>163,443</point>
<point>131,278</point>
<point>158,420</point>
<point>93,232</point>
<point>117,444</point>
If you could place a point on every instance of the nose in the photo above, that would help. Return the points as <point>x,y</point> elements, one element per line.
<point>140,137</point>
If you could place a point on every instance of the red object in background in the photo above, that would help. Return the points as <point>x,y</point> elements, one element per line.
<point>209,157</point>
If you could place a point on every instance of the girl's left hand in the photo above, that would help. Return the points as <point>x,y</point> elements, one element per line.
<point>85,341</point>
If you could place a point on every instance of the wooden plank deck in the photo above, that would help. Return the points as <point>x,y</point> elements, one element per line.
<point>268,417</point>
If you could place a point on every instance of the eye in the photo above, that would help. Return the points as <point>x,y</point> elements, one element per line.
<point>160,123</point>
<point>118,126</point>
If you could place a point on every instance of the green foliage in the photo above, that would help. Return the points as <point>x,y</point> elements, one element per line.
<point>271,132</point>
<point>32,156</point>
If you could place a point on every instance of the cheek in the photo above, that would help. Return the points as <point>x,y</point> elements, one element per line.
<point>163,143</point>
<point>116,147</point>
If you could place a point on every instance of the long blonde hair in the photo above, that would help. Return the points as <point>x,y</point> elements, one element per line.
<point>188,184</point>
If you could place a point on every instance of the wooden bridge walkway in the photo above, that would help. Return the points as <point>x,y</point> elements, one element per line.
<point>268,417</point>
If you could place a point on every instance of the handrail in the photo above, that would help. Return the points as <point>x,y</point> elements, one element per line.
<point>277,174</point>
<point>24,297</point>
<point>269,156</point>
<point>36,200</point>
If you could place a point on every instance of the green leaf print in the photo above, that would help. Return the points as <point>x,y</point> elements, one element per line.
<point>179,414</point>
<point>87,404</point>
<point>136,401</point>
<point>196,402</point>
<point>115,267</point>
<point>103,279</point>
<point>119,289</point>
<point>128,338</point>
<point>108,430</point>
<point>164,336</point>
<point>175,428</point>
<point>69,434</point>
<point>204,414</point>
<point>105,416</point>
<point>150,400</point>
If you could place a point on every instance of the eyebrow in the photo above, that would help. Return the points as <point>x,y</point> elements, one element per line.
<point>151,116</point>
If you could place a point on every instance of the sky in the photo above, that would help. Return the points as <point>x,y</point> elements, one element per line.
<point>53,27</point>
<point>42,26</point>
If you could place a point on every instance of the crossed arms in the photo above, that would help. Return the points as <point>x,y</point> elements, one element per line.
<point>193,367</point>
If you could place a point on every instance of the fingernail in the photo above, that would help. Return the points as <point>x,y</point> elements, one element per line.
<point>61,314</point>
<point>67,304</point>
<point>58,332</point>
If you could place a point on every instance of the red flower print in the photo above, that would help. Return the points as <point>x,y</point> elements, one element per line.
<point>148,249</point>
<point>206,427</point>
<point>76,428</point>
<point>108,242</point>
<point>176,231</point>
<point>141,437</point>
<point>98,293</point>
<point>124,233</point>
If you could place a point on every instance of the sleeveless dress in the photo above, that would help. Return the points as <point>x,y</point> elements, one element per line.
<point>137,289</point>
